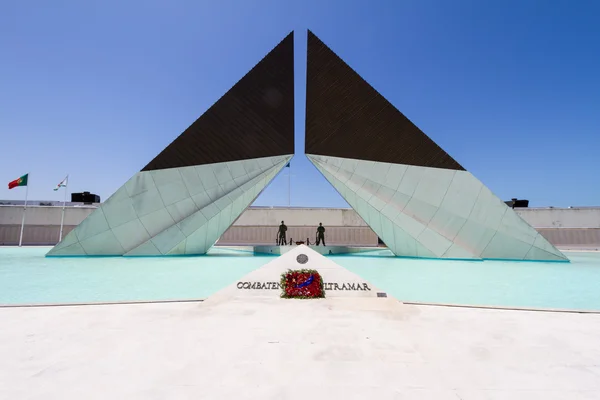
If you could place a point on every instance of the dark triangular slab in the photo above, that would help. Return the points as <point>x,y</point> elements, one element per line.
<point>254,119</point>
<point>346,117</point>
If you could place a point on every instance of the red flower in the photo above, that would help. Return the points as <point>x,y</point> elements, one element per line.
<point>302,284</point>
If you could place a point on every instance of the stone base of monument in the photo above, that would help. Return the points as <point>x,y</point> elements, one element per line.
<point>265,281</point>
<point>325,250</point>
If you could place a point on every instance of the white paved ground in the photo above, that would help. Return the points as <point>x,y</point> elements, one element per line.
<point>337,348</point>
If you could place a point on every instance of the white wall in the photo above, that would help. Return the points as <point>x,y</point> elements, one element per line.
<point>264,216</point>
<point>43,215</point>
<point>561,217</point>
<point>555,224</point>
<point>42,223</point>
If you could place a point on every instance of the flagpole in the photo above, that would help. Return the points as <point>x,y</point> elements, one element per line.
<point>289,187</point>
<point>24,209</point>
<point>62,218</point>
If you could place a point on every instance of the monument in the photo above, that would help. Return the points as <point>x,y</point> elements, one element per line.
<point>417,198</point>
<point>188,195</point>
<point>264,282</point>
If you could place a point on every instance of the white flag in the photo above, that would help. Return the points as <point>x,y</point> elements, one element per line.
<point>62,183</point>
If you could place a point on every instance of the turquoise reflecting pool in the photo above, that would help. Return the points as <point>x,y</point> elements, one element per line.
<point>574,285</point>
<point>27,277</point>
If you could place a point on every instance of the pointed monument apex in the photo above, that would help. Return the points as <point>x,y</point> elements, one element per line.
<point>254,119</point>
<point>346,117</point>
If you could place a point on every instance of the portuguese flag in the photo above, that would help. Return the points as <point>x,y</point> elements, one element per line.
<point>22,181</point>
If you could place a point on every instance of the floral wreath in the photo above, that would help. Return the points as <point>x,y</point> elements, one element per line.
<point>302,284</point>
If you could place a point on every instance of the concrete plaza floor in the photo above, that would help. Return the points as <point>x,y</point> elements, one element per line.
<point>264,348</point>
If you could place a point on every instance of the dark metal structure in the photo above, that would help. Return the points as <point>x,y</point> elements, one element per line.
<point>346,117</point>
<point>254,119</point>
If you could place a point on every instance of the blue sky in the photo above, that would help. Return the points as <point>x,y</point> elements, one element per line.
<point>96,89</point>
